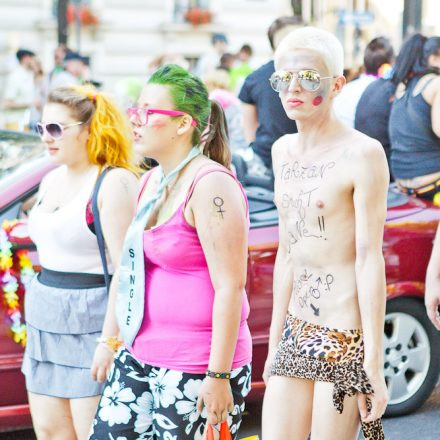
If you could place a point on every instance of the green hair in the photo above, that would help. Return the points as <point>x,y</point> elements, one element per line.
<point>189,95</point>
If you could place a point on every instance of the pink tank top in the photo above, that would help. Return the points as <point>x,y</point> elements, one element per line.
<point>177,326</point>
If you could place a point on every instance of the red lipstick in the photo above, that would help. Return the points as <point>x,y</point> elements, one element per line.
<point>294,102</point>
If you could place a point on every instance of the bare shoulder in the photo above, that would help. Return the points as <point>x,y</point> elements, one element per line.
<point>121,173</point>
<point>216,181</point>
<point>120,183</point>
<point>281,147</point>
<point>217,188</point>
<point>433,86</point>
<point>368,157</point>
<point>365,147</point>
<point>117,177</point>
<point>432,79</point>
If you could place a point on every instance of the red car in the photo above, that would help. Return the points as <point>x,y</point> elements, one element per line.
<point>412,346</point>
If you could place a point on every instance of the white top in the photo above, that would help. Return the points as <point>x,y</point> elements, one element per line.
<point>19,89</point>
<point>63,239</point>
<point>346,102</point>
<point>207,63</point>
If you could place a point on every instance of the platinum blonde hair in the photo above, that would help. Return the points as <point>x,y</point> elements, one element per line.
<point>320,41</point>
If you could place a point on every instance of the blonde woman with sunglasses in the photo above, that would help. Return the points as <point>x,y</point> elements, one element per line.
<point>325,361</point>
<point>85,135</point>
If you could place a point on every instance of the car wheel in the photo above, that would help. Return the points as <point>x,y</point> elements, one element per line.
<point>411,355</point>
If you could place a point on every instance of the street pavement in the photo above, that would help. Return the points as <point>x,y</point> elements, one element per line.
<point>422,425</point>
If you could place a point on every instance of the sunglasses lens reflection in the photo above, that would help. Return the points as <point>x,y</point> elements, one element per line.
<point>276,83</point>
<point>40,129</point>
<point>54,130</point>
<point>309,80</point>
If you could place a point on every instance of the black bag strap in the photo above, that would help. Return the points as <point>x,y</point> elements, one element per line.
<point>97,224</point>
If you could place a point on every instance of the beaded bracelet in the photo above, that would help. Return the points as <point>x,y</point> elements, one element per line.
<point>215,375</point>
<point>112,343</point>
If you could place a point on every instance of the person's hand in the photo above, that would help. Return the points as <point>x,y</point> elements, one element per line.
<point>378,399</point>
<point>216,396</point>
<point>432,303</point>
<point>101,364</point>
<point>268,365</point>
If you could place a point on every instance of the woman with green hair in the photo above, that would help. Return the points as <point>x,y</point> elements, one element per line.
<point>181,306</point>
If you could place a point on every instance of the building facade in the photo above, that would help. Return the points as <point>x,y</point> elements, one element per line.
<point>130,33</point>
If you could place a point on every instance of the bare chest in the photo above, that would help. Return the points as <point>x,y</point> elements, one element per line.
<point>311,197</point>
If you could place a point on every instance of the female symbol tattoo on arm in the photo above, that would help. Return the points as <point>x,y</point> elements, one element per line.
<point>219,202</point>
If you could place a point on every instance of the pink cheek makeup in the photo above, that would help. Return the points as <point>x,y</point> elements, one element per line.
<point>158,124</point>
<point>317,101</point>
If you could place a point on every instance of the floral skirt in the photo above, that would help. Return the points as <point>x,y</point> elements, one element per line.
<point>145,402</point>
<point>311,351</point>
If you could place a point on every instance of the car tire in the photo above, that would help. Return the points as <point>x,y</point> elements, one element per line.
<point>411,355</point>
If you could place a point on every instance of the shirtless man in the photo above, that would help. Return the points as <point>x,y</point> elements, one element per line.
<point>330,189</point>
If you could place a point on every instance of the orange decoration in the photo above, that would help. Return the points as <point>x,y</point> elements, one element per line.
<point>197,16</point>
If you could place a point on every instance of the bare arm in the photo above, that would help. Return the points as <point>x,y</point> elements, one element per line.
<point>250,121</point>
<point>220,220</point>
<point>370,202</point>
<point>28,204</point>
<point>116,201</point>
<point>219,214</point>
<point>432,293</point>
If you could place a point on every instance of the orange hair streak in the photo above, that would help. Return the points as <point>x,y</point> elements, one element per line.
<point>110,141</point>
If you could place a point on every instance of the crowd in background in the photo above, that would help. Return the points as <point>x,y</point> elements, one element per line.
<point>396,101</point>
<point>244,93</point>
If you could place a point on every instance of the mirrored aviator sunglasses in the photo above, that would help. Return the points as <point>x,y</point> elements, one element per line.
<point>54,129</point>
<point>309,80</point>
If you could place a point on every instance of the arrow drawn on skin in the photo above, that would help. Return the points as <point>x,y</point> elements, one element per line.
<point>315,310</point>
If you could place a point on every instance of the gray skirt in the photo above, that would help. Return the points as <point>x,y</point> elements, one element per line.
<point>62,326</point>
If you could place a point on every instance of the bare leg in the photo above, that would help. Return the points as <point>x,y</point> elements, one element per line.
<point>51,417</point>
<point>287,408</point>
<point>327,423</point>
<point>83,412</point>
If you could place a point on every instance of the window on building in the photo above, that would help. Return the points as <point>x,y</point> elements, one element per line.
<point>310,10</point>
<point>181,6</point>
<point>297,7</point>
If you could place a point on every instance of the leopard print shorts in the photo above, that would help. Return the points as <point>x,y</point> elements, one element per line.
<point>310,351</point>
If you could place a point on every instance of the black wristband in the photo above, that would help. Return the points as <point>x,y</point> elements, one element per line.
<point>215,375</point>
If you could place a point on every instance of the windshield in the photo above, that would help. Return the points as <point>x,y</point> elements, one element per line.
<point>16,149</point>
